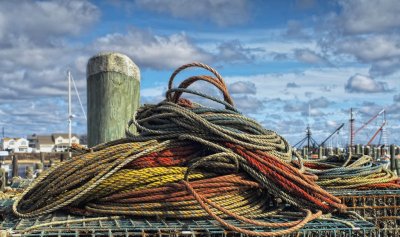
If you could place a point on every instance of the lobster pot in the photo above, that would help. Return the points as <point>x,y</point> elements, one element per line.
<point>172,227</point>
<point>381,207</point>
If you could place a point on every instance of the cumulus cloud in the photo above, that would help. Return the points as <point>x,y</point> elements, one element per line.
<point>221,12</point>
<point>367,31</point>
<point>292,85</point>
<point>312,107</point>
<point>364,84</point>
<point>369,16</point>
<point>155,51</point>
<point>372,48</point>
<point>234,52</point>
<point>291,106</point>
<point>321,102</point>
<point>280,56</point>
<point>309,56</point>
<point>242,87</point>
<point>47,20</point>
<point>248,104</point>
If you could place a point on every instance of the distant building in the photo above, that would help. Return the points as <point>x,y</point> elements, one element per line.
<point>15,144</point>
<point>56,142</point>
<point>44,143</point>
<point>61,141</point>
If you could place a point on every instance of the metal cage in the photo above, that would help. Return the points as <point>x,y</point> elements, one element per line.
<point>381,207</point>
<point>166,227</point>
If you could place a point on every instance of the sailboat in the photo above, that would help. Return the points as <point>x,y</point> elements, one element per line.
<point>71,82</point>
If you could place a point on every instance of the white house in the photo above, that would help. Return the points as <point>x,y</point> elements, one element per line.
<point>44,143</point>
<point>61,141</point>
<point>15,144</point>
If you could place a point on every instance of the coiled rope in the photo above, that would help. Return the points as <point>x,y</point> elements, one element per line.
<point>188,161</point>
<point>357,172</point>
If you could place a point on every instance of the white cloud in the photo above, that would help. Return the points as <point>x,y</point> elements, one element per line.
<point>292,85</point>
<point>364,84</point>
<point>248,104</point>
<point>371,48</point>
<point>42,21</point>
<point>242,87</point>
<point>221,12</point>
<point>234,52</point>
<point>367,31</point>
<point>155,51</point>
<point>309,56</point>
<point>369,16</point>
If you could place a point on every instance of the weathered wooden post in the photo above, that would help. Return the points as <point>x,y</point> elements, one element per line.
<point>304,152</point>
<point>392,157</point>
<point>376,153</point>
<point>51,162</point>
<point>358,149</point>
<point>42,157</point>
<point>113,83</point>
<point>2,179</point>
<point>367,151</point>
<point>63,156</point>
<point>320,152</point>
<point>29,172</point>
<point>14,166</point>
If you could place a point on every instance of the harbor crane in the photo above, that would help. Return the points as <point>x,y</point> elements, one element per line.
<point>369,121</point>
<point>336,131</point>
<point>380,129</point>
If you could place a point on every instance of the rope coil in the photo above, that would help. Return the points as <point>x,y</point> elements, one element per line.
<point>188,161</point>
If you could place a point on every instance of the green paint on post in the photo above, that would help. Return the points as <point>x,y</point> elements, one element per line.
<point>113,83</point>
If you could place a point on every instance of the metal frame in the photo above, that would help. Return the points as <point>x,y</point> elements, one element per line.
<point>169,227</point>
<point>381,207</point>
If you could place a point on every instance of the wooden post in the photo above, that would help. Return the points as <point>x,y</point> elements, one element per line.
<point>42,158</point>
<point>14,166</point>
<point>29,172</point>
<point>2,179</point>
<point>367,151</point>
<point>113,83</point>
<point>305,152</point>
<point>51,162</point>
<point>392,157</point>
<point>320,152</point>
<point>358,149</point>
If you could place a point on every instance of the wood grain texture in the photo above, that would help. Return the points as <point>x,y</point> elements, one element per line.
<point>112,96</point>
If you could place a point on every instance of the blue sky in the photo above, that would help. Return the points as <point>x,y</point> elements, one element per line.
<point>282,60</point>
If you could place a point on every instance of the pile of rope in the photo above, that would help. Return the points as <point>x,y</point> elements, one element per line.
<point>352,172</point>
<point>187,161</point>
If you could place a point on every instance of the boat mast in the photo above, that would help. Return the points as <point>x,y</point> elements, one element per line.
<point>69,114</point>
<point>351,142</point>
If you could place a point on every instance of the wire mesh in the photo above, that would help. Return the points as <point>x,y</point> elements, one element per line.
<point>381,207</point>
<point>170,227</point>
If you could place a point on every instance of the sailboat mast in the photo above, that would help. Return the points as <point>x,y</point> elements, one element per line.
<point>69,112</point>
